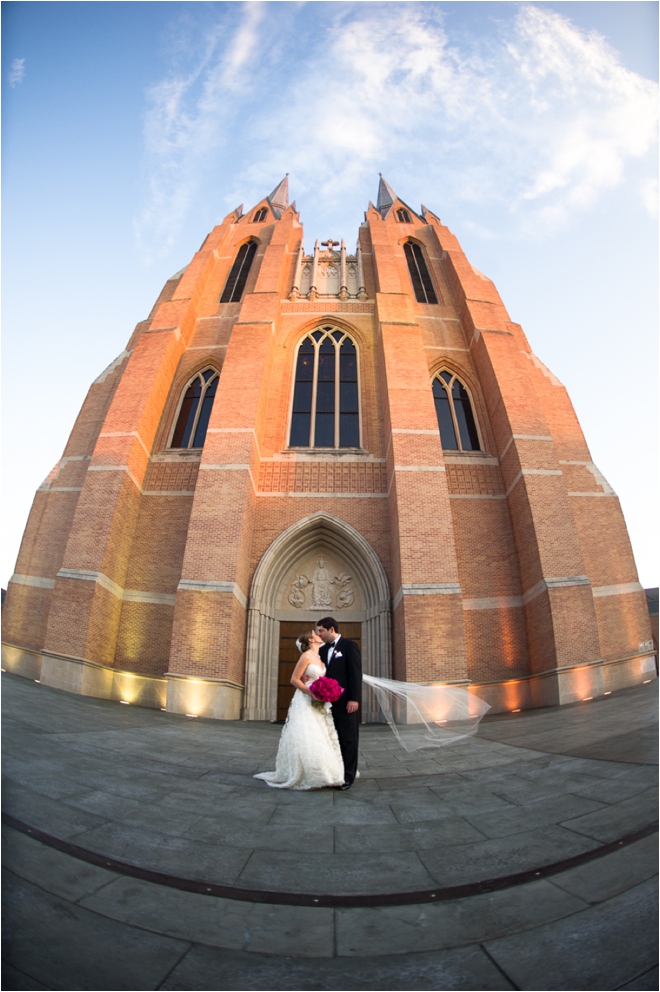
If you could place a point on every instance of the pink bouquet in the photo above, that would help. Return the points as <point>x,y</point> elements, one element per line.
<point>325,691</point>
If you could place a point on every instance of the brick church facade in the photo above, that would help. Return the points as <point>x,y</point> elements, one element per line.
<point>290,435</point>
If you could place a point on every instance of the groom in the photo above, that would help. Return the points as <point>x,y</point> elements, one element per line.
<point>341,658</point>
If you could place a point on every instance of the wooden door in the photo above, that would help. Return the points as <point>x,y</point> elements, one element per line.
<point>289,655</point>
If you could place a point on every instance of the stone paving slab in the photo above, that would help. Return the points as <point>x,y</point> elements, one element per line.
<point>648,982</point>
<point>206,968</point>
<point>58,873</point>
<point>506,855</point>
<point>596,949</point>
<point>607,877</point>
<point>589,729</point>
<point>46,937</point>
<point>242,926</point>
<point>609,822</point>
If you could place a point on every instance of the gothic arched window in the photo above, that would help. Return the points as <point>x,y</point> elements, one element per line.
<point>326,411</point>
<point>196,406</point>
<point>239,272</point>
<point>260,215</point>
<point>419,273</point>
<point>403,216</point>
<point>458,430</point>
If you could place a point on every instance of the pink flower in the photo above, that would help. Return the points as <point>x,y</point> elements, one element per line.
<point>326,690</point>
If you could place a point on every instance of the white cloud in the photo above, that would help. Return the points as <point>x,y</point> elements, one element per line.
<point>649,193</point>
<point>16,72</point>
<point>536,119</point>
<point>189,115</point>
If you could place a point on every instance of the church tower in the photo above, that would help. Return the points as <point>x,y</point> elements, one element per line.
<point>292,434</point>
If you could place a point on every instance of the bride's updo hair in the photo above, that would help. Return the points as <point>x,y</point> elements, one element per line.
<point>303,641</point>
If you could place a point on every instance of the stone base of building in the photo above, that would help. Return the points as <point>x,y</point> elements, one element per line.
<point>87,678</point>
<point>566,685</point>
<point>218,699</point>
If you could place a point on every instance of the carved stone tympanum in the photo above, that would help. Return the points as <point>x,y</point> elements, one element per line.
<point>321,592</point>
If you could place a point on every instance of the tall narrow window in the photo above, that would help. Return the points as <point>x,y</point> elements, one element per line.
<point>239,272</point>
<point>403,216</point>
<point>326,410</point>
<point>458,430</point>
<point>419,273</point>
<point>260,215</point>
<point>193,420</point>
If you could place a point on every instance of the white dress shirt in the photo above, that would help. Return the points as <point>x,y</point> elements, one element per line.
<point>331,650</point>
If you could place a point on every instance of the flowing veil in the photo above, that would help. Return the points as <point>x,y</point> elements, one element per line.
<point>427,715</point>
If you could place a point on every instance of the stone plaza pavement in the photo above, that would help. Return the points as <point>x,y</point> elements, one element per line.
<point>139,853</point>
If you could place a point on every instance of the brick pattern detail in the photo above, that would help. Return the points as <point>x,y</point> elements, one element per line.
<point>326,306</point>
<point>322,477</point>
<point>474,480</point>
<point>171,477</point>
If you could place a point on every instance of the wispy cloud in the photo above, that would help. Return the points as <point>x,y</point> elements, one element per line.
<point>16,72</point>
<point>189,116</point>
<point>533,121</point>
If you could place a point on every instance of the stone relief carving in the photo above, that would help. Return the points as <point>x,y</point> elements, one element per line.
<point>324,591</point>
<point>297,596</point>
<point>346,594</point>
<point>321,591</point>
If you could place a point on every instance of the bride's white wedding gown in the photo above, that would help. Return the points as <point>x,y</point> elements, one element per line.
<point>308,756</point>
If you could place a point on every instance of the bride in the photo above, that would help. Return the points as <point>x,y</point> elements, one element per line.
<point>308,756</point>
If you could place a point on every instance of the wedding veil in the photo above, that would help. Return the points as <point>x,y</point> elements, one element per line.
<point>427,715</point>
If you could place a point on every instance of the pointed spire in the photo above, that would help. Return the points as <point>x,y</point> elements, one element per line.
<point>386,195</point>
<point>279,198</point>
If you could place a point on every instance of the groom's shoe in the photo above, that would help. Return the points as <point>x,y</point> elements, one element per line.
<point>345,786</point>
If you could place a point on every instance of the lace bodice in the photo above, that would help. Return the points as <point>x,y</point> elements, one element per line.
<point>315,671</point>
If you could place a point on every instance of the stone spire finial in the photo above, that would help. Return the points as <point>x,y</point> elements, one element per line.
<point>386,195</point>
<point>280,196</point>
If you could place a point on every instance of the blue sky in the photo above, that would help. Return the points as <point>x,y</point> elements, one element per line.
<point>130,129</point>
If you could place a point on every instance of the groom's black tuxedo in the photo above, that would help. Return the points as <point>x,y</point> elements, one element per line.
<point>345,666</point>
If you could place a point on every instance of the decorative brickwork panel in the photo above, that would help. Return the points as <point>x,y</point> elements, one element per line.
<point>171,477</point>
<point>474,480</point>
<point>322,477</point>
<point>327,306</point>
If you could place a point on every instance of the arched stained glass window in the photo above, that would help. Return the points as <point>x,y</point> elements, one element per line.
<point>419,273</point>
<point>458,430</point>
<point>403,216</point>
<point>193,419</point>
<point>260,215</point>
<point>239,272</point>
<point>326,410</point>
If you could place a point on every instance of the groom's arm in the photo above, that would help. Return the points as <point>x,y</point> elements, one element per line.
<point>353,674</point>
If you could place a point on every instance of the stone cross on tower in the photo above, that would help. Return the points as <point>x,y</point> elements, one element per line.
<point>329,243</point>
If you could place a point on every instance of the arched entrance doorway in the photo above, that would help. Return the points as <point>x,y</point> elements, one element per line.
<point>320,565</point>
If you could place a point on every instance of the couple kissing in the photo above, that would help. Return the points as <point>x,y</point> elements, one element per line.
<point>319,743</point>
